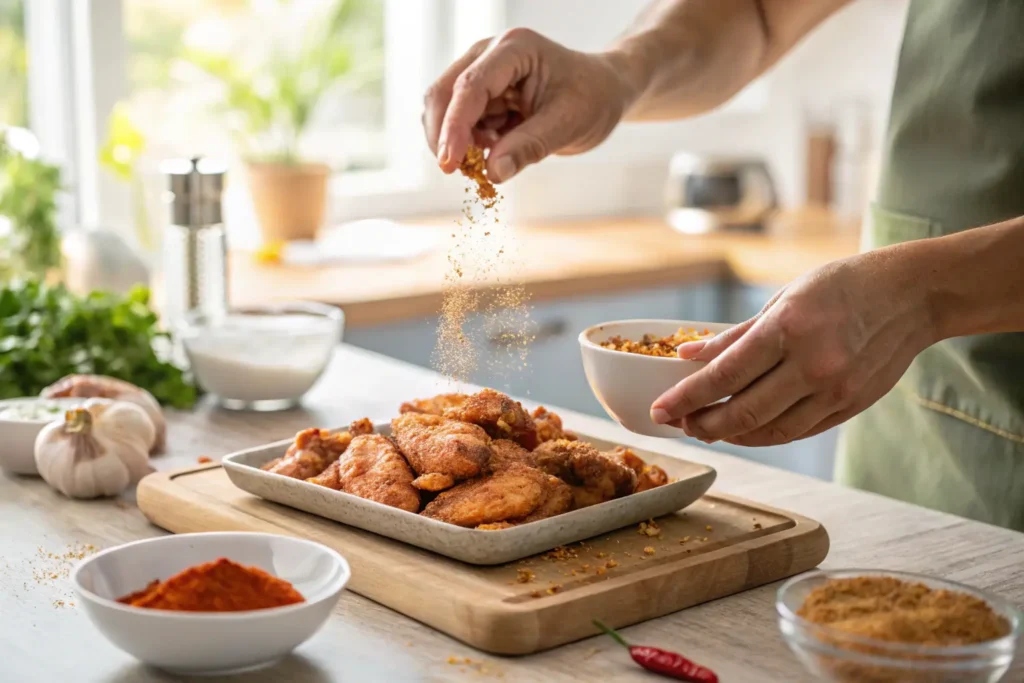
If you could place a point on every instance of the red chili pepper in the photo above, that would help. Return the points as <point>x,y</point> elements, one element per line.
<point>662,661</point>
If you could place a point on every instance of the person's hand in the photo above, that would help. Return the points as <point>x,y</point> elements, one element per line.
<point>524,97</point>
<point>824,349</point>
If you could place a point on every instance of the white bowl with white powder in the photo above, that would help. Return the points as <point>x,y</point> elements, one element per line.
<point>262,358</point>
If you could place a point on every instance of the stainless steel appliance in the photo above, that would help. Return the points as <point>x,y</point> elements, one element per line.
<point>710,194</point>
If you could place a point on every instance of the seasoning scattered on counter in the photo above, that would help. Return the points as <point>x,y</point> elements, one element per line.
<point>888,609</point>
<point>204,459</point>
<point>218,586</point>
<point>662,661</point>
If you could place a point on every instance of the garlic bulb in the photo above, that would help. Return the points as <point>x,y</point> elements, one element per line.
<point>96,450</point>
<point>101,386</point>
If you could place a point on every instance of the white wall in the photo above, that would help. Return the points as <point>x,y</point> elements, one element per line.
<point>852,56</point>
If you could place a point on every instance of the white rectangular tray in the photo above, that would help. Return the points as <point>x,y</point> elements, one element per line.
<point>471,545</point>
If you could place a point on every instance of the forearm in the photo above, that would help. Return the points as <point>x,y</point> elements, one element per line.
<point>973,280</point>
<point>685,57</point>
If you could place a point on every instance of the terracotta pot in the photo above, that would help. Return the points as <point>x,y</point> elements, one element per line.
<point>290,199</point>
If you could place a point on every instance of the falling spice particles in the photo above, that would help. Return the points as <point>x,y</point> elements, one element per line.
<point>478,288</point>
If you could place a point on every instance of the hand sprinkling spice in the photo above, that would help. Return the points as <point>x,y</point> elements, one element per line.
<point>662,661</point>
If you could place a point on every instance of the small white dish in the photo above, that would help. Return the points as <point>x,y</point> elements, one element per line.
<point>200,643</point>
<point>262,358</point>
<point>626,384</point>
<point>18,434</point>
<point>473,546</point>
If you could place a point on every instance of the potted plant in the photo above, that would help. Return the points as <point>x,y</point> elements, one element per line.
<point>270,99</point>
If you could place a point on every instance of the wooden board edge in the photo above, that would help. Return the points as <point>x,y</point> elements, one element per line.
<point>499,630</point>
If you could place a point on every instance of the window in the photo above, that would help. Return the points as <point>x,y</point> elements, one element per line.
<point>238,77</point>
<point>13,64</point>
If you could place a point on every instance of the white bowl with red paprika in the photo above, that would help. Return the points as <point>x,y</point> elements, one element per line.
<point>211,603</point>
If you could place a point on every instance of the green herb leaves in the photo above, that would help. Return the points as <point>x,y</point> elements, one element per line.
<point>47,333</point>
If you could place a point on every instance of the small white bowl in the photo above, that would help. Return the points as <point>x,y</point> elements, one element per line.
<point>18,436</point>
<point>201,643</point>
<point>626,384</point>
<point>262,358</point>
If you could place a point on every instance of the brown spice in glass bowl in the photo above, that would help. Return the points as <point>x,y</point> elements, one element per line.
<point>890,610</point>
<point>649,345</point>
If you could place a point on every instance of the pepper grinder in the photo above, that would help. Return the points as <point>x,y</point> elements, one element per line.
<point>195,242</point>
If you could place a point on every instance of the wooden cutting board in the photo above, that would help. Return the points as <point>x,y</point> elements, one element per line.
<point>718,546</point>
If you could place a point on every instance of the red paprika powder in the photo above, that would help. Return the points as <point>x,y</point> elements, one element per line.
<point>218,586</point>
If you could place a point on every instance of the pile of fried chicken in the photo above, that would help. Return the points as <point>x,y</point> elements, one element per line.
<point>479,461</point>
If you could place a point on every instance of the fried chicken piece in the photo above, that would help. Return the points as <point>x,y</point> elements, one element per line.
<point>372,468</point>
<point>558,498</point>
<point>647,476</point>
<point>360,427</point>
<point>433,481</point>
<point>435,405</point>
<point>594,477</point>
<point>506,452</point>
<point>312,451</point>
<point>436,445</point>
<point>499,415</point>
<point>549,426</point>
<point>512,493</point>
<point>497,526</point>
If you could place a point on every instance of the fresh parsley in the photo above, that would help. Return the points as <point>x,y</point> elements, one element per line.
<point>46,332</point>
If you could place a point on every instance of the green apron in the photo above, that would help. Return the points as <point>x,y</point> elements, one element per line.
<point>950,435</point>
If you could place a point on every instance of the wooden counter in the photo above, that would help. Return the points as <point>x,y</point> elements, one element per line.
<point>44,638</point>
<point>561,260</point>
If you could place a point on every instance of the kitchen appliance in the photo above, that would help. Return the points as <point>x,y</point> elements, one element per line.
<point>710,194</point>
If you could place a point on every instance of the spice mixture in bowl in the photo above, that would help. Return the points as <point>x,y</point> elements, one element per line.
<point>879,627</point>
<point>652,345</point>
<point>212,602</point>
<point>626,384</point>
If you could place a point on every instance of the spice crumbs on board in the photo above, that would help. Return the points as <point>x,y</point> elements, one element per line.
<point>649,550</point>
<point>204,459</point>
<point>649,528</point>
<point>561,554</point>
<point>524,576</point>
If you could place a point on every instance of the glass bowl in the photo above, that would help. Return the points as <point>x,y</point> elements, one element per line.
<point>833,655</point>
<point>261,358</point>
